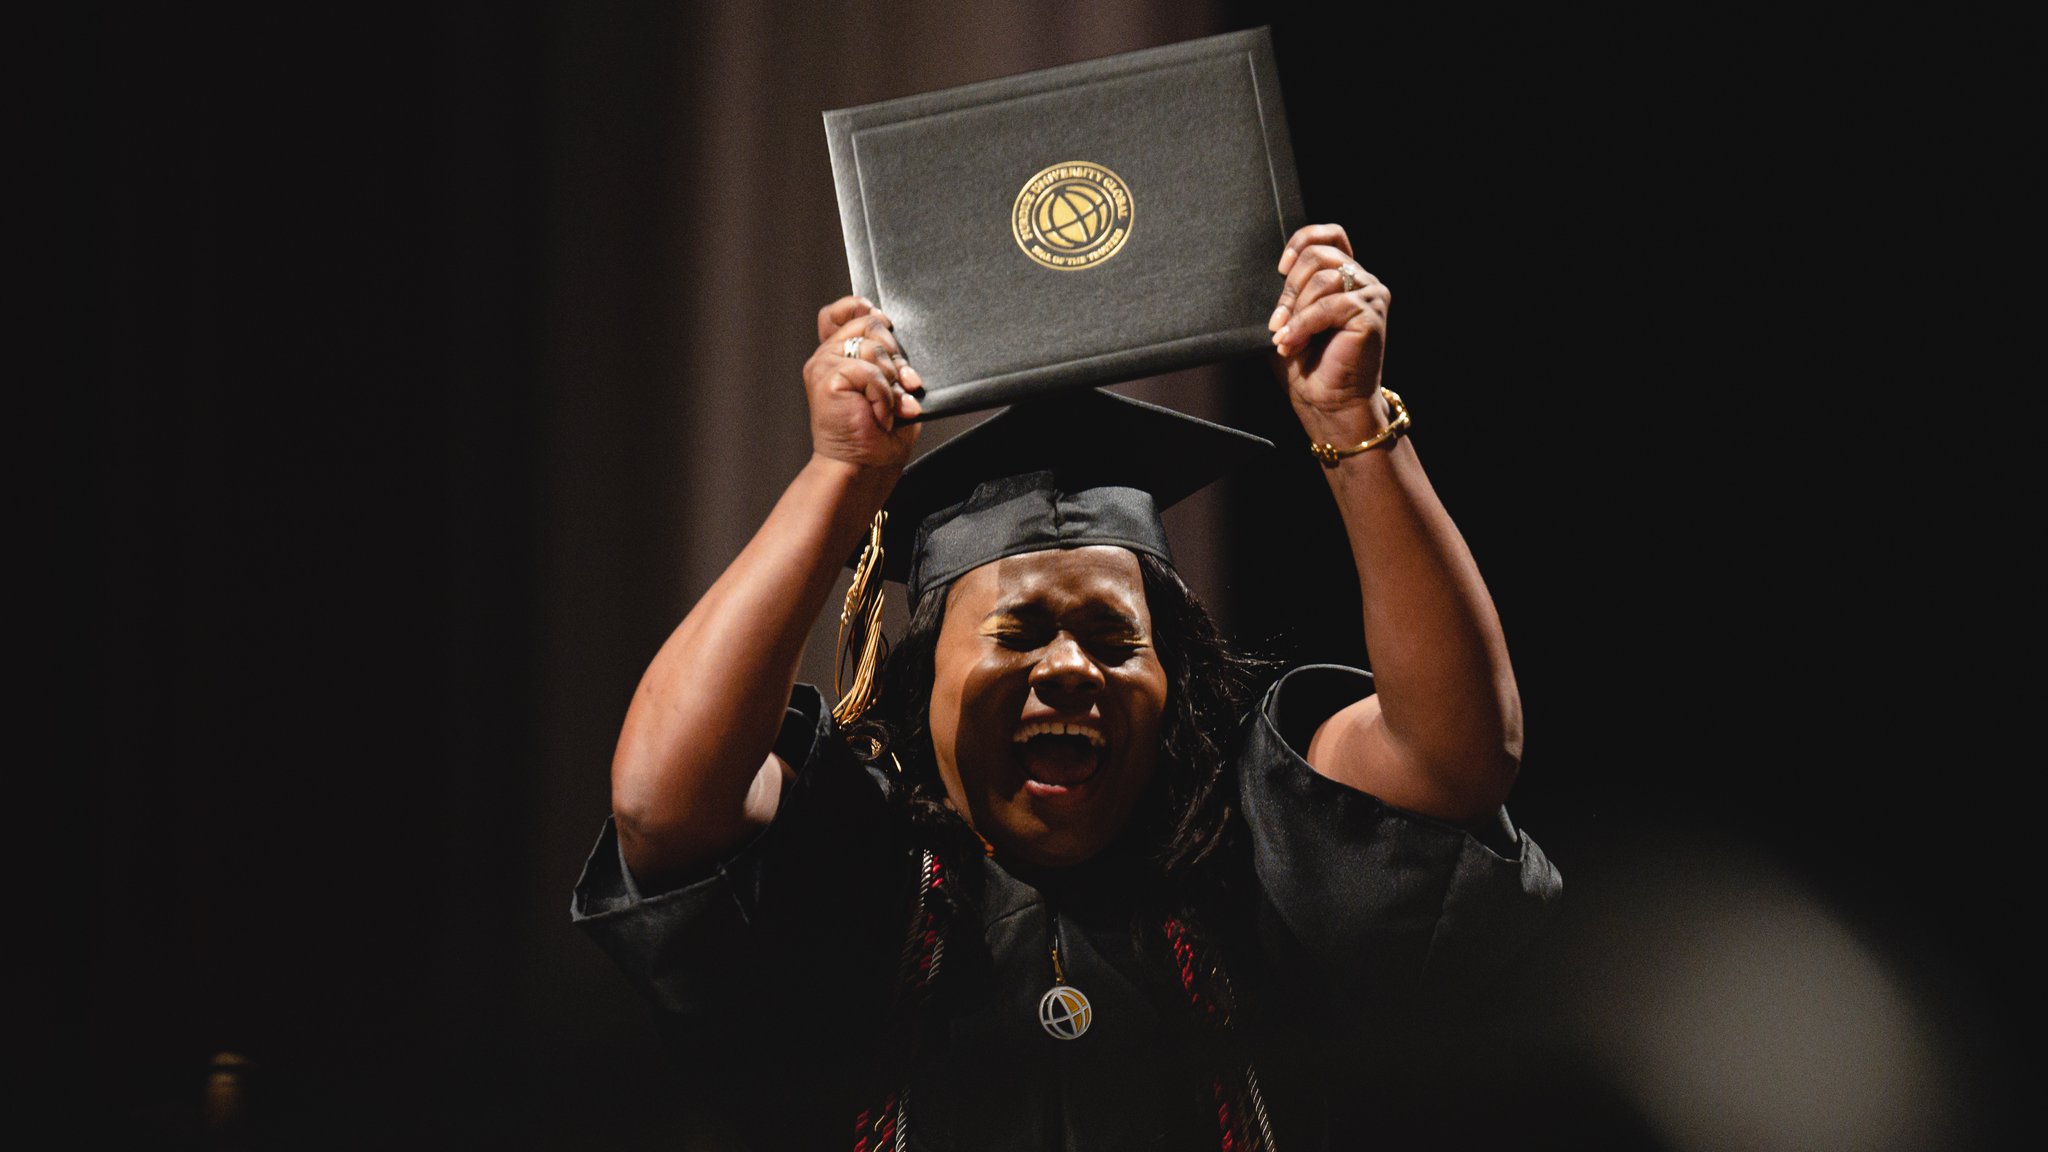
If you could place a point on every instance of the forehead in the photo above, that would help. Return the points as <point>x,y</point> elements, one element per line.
<point>1055,579</point>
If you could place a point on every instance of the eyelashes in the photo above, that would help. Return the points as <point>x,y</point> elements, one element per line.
<point>1105,650</point>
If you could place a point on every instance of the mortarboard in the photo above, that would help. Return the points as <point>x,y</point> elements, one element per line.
<point>1080,467</point>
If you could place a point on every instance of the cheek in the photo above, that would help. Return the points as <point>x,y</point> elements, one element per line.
<point>971,691</point>
<point>989,698</point>
<point>1147,696</point>
<point>1150,692</point>
<point>994,685</point>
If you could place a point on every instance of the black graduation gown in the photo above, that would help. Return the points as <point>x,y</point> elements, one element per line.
<point>780,968</point>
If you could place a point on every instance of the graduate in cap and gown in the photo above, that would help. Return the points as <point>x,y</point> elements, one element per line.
<point>1063,871</point>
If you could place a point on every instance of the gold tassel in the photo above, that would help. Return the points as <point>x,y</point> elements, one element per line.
<point>862,646</point>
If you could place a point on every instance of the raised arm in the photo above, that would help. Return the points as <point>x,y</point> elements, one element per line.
<point>1443,734</point>
<point>693,774</point>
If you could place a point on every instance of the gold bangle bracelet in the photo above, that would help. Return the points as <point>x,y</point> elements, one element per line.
<point>1330,454</point>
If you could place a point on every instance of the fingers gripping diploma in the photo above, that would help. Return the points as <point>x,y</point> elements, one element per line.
<point>861,390</point>
<point>1329,326</point>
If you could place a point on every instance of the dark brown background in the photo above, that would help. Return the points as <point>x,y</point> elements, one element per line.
<point>436,358</point>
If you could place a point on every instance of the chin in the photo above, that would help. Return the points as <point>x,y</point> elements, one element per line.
<point>1050,847</point>
<point>1056,856</point>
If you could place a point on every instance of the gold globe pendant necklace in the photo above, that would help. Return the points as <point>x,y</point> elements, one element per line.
<point>1064,1011</point>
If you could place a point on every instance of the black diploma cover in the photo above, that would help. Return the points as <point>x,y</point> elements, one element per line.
<point>1077,226</point>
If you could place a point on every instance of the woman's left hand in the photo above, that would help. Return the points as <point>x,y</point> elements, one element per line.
<point>1329,334</point>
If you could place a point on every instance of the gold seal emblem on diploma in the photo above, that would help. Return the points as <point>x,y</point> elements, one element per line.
<point>1072,215</point>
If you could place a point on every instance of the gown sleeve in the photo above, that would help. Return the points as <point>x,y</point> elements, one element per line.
<point>1385,905</point>
<point>816,880</point>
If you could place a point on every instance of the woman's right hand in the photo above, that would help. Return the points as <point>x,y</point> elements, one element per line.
<point>859,403</point>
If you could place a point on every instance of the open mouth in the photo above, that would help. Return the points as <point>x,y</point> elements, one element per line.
<point>1057,757</point>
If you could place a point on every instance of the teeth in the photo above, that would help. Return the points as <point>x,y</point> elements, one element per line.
<point>1060,728</point>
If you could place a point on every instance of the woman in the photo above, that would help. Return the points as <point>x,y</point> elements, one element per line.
<point>1048,892</point>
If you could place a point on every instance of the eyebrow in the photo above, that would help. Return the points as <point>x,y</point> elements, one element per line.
<point>1094,614</point>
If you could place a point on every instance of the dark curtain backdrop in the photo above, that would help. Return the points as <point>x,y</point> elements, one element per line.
<point>437,357</point>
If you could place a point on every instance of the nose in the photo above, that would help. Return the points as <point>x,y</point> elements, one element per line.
<point>1066,669</point>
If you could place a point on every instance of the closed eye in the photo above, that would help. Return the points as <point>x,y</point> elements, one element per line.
<point>1116,651</point>
<point>1109,650</point>
<point>1112,638</point>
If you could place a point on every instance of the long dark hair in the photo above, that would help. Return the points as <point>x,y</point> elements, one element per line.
<point>1187,817</point>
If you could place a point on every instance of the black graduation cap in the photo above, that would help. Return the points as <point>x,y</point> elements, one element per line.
<point>1079,467</point>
